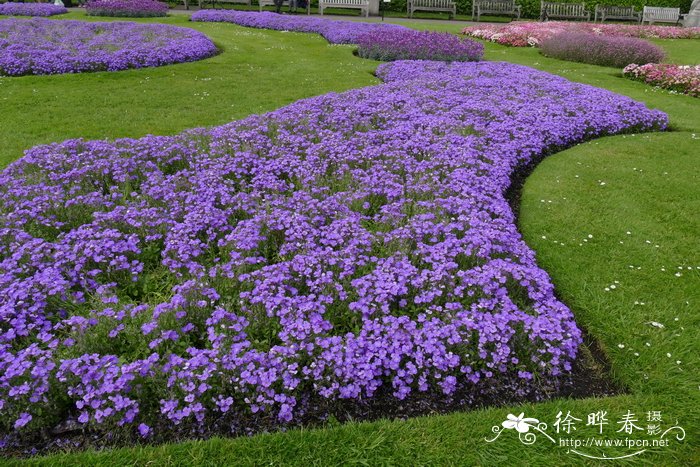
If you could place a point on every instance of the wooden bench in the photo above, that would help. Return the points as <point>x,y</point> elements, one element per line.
<point>213,3</point>
<point>495,7</point>
<point>362,5</point>
<point>550,10</point>
<point>615,12</point>
<point>431,5</point>
<point>657,14</point>
<point>263,3</point>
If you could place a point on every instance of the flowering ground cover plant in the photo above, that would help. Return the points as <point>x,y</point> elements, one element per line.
<point>335,32</point>
<point>406,44</point>
<point>601,50</point>
<point>680,78</point>
<point>126,8</point>
<point>524,34</point>
<point>340,247</point>
<point>41,47</point>
<point>31,9</point>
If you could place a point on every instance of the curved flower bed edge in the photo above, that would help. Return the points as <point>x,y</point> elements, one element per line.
<point>285,249</point>
<point>41,46</point>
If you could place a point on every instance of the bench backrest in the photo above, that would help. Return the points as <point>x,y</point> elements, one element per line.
<point>662,13</point>
<point>564,9</point>
<point>617,10</point>
<point>346,2</point>
<point>495,5</point>
<point>433,3</point>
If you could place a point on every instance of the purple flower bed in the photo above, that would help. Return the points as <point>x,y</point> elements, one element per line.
<point>126,8</point>
<point>335,32</point>
<point>41,47</point>
<point>601,50</point>
<point>340,247</point>
<point>406,44</point>
<point>31,9</point>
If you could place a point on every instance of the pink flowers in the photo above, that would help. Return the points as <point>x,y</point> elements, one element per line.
<point>680,78</point>
<point>524,34</point>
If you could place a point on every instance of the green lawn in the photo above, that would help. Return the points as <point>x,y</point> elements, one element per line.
<point>647,185</point>
<point>257,71</point>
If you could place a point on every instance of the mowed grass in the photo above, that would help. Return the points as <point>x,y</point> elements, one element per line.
<point>255,72</point>
<point>647,185</point>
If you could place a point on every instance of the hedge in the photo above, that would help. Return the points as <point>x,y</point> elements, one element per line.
<point>531,8</point>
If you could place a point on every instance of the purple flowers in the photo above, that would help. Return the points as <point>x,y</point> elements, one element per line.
<point>335,32</point>
<point>126,8</point>
<point>31,9</point>
<point>376,41</point>
<point>601,50</point>
<point>406,44</point>
<point>41,47</point>
<point>144,430</point>
<point>339,247</point>
<point>23,419</point>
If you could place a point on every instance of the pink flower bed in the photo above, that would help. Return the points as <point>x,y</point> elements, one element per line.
<point>524,34</point>
<point>684,79</point>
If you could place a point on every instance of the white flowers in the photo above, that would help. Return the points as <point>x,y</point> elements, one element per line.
<point>520,423</point>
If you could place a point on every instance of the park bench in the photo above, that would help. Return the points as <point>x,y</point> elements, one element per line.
<point>213,3</point>
<point>362,5</point>
<point>431,5</point>
<point>657,14</point>
<point>495,7</point>
<point>285,3</point>
<point>615,12</point>
<point>551,10</point>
